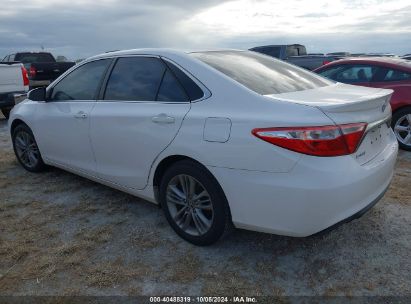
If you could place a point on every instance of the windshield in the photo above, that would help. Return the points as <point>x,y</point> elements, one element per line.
<point>262,74</point>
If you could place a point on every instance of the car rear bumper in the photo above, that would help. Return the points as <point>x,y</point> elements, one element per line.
<point>317,194</point>
<point>354,216</point>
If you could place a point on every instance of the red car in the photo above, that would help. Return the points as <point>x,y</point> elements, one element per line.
<point>379,72</point>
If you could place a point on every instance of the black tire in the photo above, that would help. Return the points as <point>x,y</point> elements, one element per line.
<point>221,218</point>
<point>6,112</point>
<point>398,115</point>
<point>36,166</point>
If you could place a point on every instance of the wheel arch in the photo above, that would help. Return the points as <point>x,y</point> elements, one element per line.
<point>406,106</point>
<point>163,165</point>
<point>15,123</point>
<point>168,161</point>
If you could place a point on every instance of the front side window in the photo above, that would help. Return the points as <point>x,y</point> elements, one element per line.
<point>262,74</point>
<point>143,79</point>
<point>331,72</point>
<point>82,83</point>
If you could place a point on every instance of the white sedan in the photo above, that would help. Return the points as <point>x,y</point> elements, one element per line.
<point>216,138</point>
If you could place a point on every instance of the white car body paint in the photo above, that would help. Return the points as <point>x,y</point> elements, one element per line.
<point>268,188</point>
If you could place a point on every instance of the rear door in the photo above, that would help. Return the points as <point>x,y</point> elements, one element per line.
<point>139,114</point>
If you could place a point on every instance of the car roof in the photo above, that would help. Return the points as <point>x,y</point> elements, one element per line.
<point>388,62</point>
<point>158,52</point>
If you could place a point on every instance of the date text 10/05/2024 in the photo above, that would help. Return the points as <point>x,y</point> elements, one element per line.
<point>176,299</point>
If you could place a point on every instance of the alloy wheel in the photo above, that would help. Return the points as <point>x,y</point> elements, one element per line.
<point>402,129</point>
<point>27,149</point>
<point>190,205</point>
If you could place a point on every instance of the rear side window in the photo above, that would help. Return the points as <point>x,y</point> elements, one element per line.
<point>296,50</point>
<point>82,83</point>
<point>330,72</point>
<point>396,75</point>
<point>193,91</point>
<point>262,74</point>
<point>143,79</point>
<point>135,79</point>
<point>170,89</point>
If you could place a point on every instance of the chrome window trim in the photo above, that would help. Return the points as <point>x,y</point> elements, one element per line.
<point>207,93</point>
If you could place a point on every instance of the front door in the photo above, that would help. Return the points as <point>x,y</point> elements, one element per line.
<point>62,122</point>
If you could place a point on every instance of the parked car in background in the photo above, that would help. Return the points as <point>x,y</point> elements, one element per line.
<point>42,67</point>
<point>215,137</point>
<point>295,54</point>
<point>380,72</point>
<point>373,55</point>
<point>340,54</point>
<point>406,57</point>
<point>14,85</point>
<point>380,55</point>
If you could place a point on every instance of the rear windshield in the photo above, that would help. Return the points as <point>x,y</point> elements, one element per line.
<point>34,57</point>
<point>296,50</point>
<point>262,74</point>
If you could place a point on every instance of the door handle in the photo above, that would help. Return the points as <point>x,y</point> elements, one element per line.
<point>163,119</point>
<point>80,114</point>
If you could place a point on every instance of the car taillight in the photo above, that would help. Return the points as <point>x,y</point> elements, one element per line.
<point>326,62</point>
<point>26,81</point>
<point>334,140</point>
<point>33,72</point>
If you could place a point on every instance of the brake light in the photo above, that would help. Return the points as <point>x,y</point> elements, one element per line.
<point>326,62</point>
<point>26,81</point>
<point>33,72</point>
<point>333,140</point>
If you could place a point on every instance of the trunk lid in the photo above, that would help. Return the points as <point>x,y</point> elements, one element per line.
<point>345,104</point>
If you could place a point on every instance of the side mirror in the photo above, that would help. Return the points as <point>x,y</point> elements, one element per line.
<point>38,94</point>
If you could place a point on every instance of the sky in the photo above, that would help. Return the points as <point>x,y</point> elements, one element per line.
<point>82,28</point>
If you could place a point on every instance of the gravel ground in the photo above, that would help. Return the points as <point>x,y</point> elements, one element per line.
<point>61,234</point>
